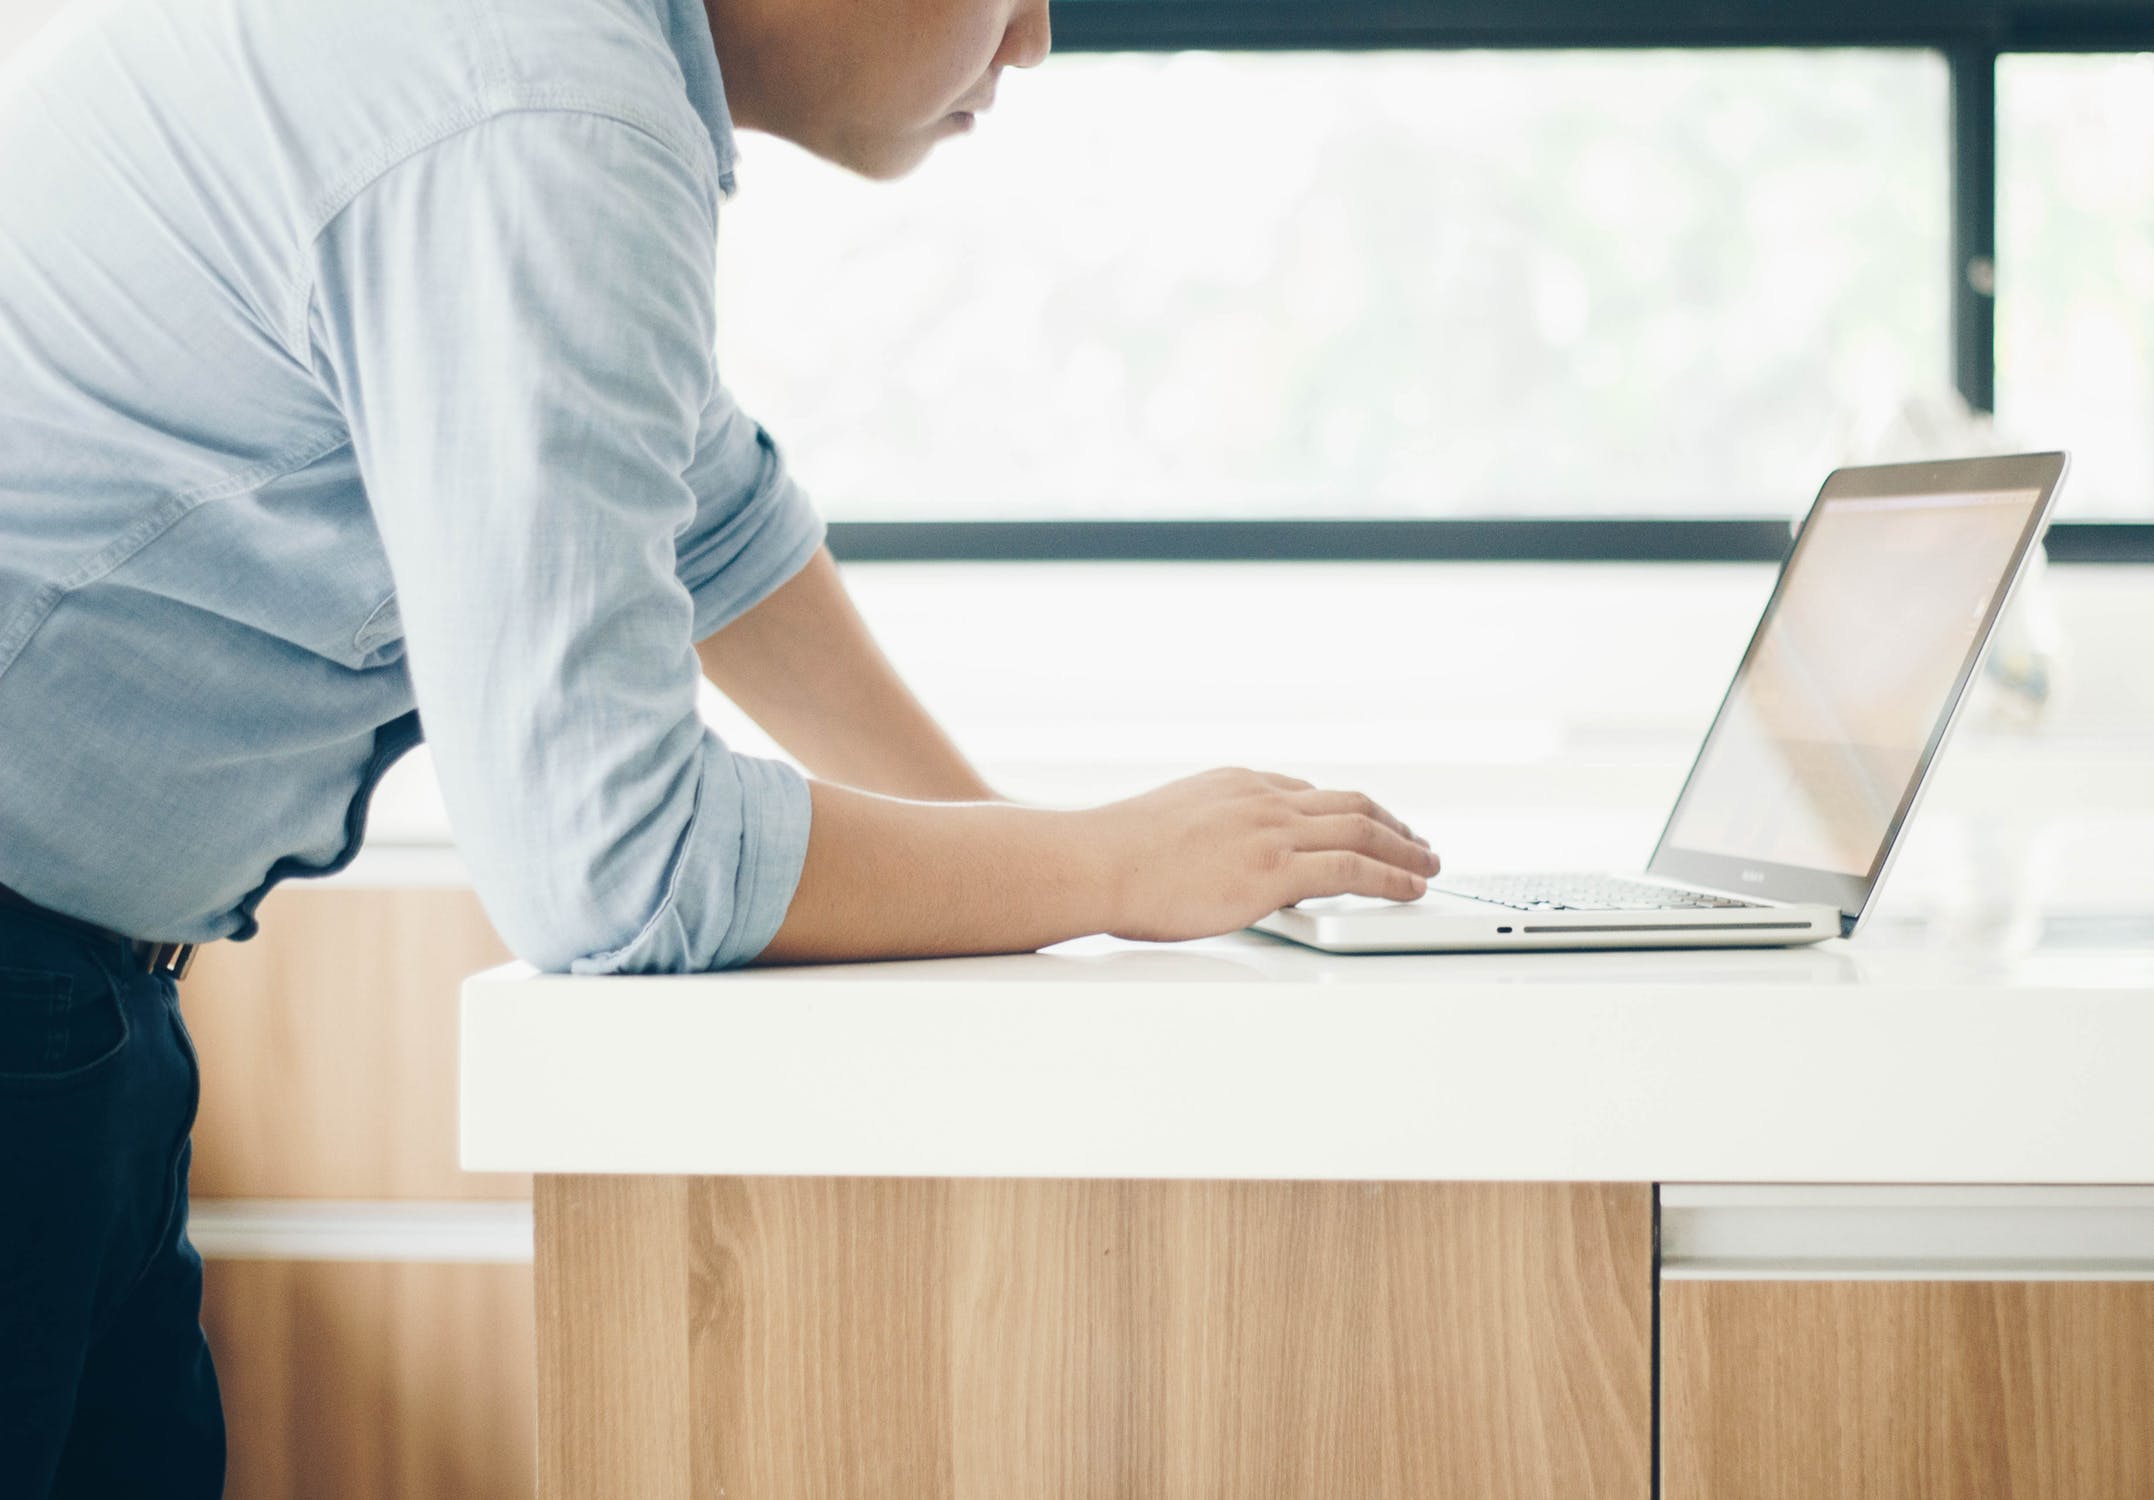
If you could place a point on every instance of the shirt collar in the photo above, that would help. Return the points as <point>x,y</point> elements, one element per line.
<point>688,33</point>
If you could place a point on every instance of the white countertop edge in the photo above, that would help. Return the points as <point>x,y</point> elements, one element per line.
<point>1895,1270</point>
<point>1292,1080</point>
<point>361,1230</point>
<point>1838,1232</point>
<point>1841,1197</point>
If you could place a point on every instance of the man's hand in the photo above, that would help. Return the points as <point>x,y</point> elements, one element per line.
<point>1205,855</point>
<point>1212,853</point>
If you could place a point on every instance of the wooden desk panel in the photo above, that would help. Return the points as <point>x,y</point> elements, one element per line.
<point>1887,1390</point>
<point>352,1380</point>
<point>328,1049</point>
<point>935,1339</point>
<point>328,1045</point>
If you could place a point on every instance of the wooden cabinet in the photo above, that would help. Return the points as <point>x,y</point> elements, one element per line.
<point>1907,1390</point>
<point>328,1047</point>
<point>939,1339</point>
<point>328,1053</point>
<point>371,1379</point>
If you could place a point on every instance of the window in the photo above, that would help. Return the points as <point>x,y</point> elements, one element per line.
<point>1339,285</point>
<point>2075,301</point>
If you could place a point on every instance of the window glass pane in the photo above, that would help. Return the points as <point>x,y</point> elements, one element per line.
<point>1387,284</point>
<point>2075,275</point>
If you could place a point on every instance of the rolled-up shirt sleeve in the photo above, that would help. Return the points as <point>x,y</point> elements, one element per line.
<point>517,323</point>
<point>753,529</point>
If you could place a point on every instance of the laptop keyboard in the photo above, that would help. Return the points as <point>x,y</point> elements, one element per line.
<point>1580,893</point>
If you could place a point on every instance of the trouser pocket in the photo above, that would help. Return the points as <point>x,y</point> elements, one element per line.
<point>55,1031</point>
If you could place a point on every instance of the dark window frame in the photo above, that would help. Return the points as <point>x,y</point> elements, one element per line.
<point>1971,35</point>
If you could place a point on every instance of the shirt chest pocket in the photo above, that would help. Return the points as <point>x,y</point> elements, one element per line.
<point>380,638</point>
<point>340,606</point>
<point>300,559</point>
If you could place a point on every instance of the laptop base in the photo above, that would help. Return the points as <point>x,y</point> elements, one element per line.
<point>1440,923</point>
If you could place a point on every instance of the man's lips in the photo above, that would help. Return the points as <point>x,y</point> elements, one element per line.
<point>964,114</point>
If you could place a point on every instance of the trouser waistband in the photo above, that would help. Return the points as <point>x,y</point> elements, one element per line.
<point>151,957</point>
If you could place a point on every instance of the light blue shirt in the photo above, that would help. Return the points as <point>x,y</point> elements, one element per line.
<point>356,372</point>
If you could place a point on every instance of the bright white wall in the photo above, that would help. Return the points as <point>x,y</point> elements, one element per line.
<point>19,18</point>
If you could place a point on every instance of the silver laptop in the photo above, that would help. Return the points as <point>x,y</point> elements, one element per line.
<point>1787,824</point>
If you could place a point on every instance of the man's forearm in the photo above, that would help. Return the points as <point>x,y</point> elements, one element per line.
<point>886,878</point>
<point>803,665</point>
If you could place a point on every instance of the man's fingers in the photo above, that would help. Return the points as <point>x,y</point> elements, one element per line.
<point>1339,872</point>
<point>1357,833</point>
<point>1310,800</point>
<point>1317,803</point>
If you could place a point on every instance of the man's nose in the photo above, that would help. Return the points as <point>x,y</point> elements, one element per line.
<point>1028,39</point>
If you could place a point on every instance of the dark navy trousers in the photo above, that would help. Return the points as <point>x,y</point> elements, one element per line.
<point>106,1387</point>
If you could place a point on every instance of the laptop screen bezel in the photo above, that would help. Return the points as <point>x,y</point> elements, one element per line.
<point>1850,894</point>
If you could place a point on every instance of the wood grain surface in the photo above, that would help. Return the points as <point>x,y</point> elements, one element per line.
<point>328,1047</point>
<point>1896,1390</point>
<point>356,1380</point>
<point>780,1339</point>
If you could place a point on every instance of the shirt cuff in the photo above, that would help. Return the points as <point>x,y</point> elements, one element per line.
<point>706,920</point>
<point>735,567</point>
<point>773,849</point>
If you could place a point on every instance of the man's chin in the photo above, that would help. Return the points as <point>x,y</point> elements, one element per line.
<point>885,159</point>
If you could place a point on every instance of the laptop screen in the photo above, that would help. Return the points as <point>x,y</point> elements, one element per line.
<point>1843,698</point>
